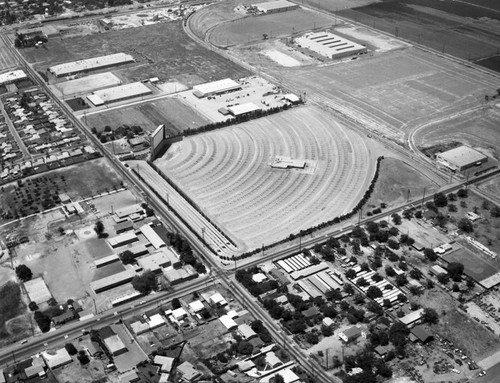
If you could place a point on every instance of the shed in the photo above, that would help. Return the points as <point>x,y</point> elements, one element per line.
<point>350,334</point>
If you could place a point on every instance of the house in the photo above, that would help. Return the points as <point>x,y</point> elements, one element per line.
<point>218,300</point>
<point>382,351</point>
<point>179,314</point>
<point>350,334</point>
<point>311,312</point>
<point>228,322</point>
<point>245,365</point>
<point>63,318</point>
<point>412,317</point>
<point>279,276</point>
<point>188,372</point>
<point>196,306</point>
<point>327,321</point>
<point>429,215</point>
<point>60,358</point>
<point>436,270</point>
<point>420,334</point>
<point>164,362</point>
<point>272,360</point>
<point>246,331</point>
<point>129,377</point>
<point>259,277</point>
<point>472,216</point>
<point>115,345</point>
<point>94,349</point>
<point>415,284</point>
<point>35,370</point>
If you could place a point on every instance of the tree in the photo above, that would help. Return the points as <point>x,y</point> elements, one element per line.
<point>374,292</point>
<point>462,193</point>
<point>24,273</point>
<point>144,283</point>
<point>470,283</point>
<point>279,379</point>
<point>393,231</point>
<point>374,308</point>
<point>396,219</point>
<point>430,254</point>
<point>430,316</point>
<point>495,211</point>
<point>389,271</point>
<point>99,229</point>
<point>326,330</point>
<point>350,274</point>
<point>455,288</point>
<point>465,225</point>
<point>401,280</point>
<point>443,278</point>
<point>362,282</point>
<point>127,257</point>
<point>393,244</point>
<point>312,338</point>
<point>245,348</point>
<point>43,321</point>
<point>377,277</point>
<point>71,348</point>
<point>176,303</point>
<point>83,357</point>
<point>440,200</point>
<point>349,289</point>
<point>398,333</point>
<point>415,274</point>
<point>402,298</point>
<point>387,303</point>
<point>33,306</point>
<point>455,269</point>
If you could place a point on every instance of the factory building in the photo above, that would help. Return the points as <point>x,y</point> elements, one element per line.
<point>461,158</point>
<point>95,63</point>
<point>118,93</point>
<point>329,45</point>
<point>275,6</point>
<point>215,88</point>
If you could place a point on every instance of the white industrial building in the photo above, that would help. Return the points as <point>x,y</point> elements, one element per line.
<point>275,6</point>
<point>118,93</point>
<point>12,76</point>
<point>88,84</point>
<point>243,109</point>
<point>329,45</point>
<point>37,290</point>
<point>461,158</point>
<point>94,63</point>
<point>215,87</point>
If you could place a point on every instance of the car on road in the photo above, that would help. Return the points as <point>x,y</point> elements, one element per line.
<point>482,373</point>
<point>24,341</point>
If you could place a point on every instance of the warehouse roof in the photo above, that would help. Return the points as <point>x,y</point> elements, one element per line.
<point>217,86</point>
<point>272,5</point>
<point>117,93</point>
<point>248,107</point>
<point>126,211</point>
<point>90,64</point>
<point>412,317</point>
<point>462,156</point>
<point>88,84</point>
<point>14,75</point>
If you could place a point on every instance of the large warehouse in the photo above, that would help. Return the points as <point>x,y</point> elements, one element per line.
<point>87,65</point>
<point>12,76</point>
<point>329,45</point>
<point>87,84</point>
<point>215,87</point>
<point>275,6</point>
<point>461,158</point>
<point>118,93</point>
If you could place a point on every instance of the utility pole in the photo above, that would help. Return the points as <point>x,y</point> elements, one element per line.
<point>423,197</point>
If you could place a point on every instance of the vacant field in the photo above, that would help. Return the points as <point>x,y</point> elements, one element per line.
<point>7,60</point>
<point>251,29</point>
<point>11,306</point>
<point>228,174</point>
<point>148,115</point>
<point>478,129</point>
<point>475,265</point>
<point>457,28</point>
<point>392,92</point>
<point>161,50</point>
<point>397,182</point>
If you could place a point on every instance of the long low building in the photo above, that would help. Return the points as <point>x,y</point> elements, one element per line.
<point>37,290</point>
<point>118,93</point>
<point>244,109</point>
<point>123,239</point>
<point>87,84</point>
<point>114,280</point>
<point>461,158</point>
<point>329,45</point>
<point>275,6</point>
<point>215,87</point>
<point>91,64</point>
<point>12,76</point>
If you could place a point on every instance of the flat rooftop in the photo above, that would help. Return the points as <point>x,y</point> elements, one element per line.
<point>272,5</point>
<point>88,84</point>
<point>245,108</point>
<point>462,156</point>
<point>217,86</point>
<point>281,162</point>
<point>117,93</point>
<point>329,45</point>
<point>37,290</point>
<point>90,64</point>
<point>14,75</point>
<point>113,280</point>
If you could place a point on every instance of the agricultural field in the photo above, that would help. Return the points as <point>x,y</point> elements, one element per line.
<point>460,29</point>
<point>38,193</point>
<point>228,174</point>
<point>278,25</point>
<point>176,58</point>
<point>148,115</point>
<point>478,128</point>
<point>392,92</point>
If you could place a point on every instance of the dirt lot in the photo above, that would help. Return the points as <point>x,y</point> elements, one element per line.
<point>149,115</point>
<point>174,58</point>
<point>228,173</point>
<point>397,182</point>
<point>458,29</point>
<point>463,331</point>
<point>251,29</point>
<point>7,61</point>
